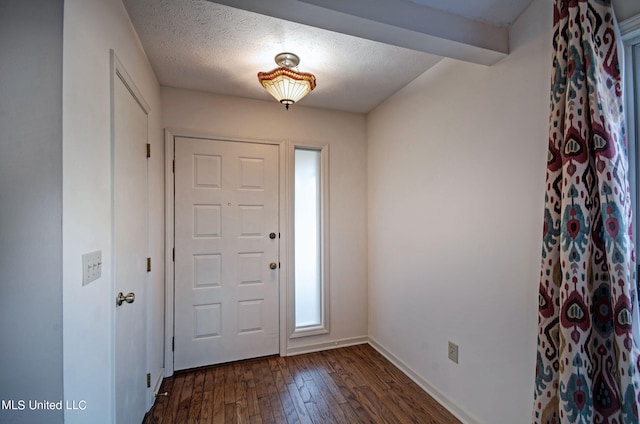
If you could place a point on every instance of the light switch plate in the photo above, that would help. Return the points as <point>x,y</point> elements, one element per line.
<point>91,266</point>
<point>453,352</point>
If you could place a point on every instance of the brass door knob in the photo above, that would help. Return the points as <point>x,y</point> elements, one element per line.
<point>273,265</point>
<point>121,298</point>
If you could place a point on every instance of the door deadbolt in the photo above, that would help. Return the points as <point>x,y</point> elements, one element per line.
<point>121,298</point>
<point>273,265</point>
<point>272,235</point>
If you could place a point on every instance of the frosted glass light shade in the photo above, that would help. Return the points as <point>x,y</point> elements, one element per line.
<point>286,85</point>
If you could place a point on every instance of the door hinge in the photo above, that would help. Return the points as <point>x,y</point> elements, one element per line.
<point>174,166</point>
<point>148,379</point>
<point>174,254</point>
<point>148,150</point>
<point>148,264</point>
<point>173,344</point>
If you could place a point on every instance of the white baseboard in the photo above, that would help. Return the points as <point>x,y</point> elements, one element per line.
<point>155,389</point>
<point>334,344</point>
<point>443,400</point>
<point>156,386</point>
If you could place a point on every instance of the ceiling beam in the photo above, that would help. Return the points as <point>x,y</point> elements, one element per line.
<point>399,23</point>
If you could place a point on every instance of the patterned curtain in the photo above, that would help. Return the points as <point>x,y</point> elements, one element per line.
<point>587,367</point>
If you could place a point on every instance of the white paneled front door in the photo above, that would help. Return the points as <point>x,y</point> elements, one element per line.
<point>226,251</point>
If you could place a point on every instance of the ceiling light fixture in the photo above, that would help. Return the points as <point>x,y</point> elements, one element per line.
<point>284,84</point>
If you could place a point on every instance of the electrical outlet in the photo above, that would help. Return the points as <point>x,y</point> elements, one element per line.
<point>453,352</point>
<point>91,266</point>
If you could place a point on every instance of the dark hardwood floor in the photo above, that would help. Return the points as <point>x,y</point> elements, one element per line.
<point>348,385</point>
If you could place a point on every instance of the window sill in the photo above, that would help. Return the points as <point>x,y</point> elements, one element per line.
<point>309,331</point>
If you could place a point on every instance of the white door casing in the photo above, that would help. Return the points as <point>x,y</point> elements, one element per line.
<point>130,245</point>
<point>226,298</point>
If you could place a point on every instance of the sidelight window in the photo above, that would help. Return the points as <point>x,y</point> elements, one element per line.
<point>309,240</point>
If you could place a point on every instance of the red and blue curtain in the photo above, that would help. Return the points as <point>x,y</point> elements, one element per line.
<point>587,368</point>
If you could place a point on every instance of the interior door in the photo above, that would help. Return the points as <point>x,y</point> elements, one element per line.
<point>226,251</point>
<point>130,251</point>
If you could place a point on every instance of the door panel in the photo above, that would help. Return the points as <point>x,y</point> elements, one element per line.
<point>226,294</point>
<point>130,239</point>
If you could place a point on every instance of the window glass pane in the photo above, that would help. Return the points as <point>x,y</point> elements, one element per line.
<point>307,241</point>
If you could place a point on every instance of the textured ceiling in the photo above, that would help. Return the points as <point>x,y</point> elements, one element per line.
<point>202,45</point>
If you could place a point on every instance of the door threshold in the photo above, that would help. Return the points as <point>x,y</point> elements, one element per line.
<point>240,361</point>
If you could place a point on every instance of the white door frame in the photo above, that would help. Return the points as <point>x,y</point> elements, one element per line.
<point>283,277</point>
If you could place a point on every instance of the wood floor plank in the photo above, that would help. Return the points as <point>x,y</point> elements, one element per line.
<point>298,403</point>
<point>351,415</point>
<point>322,407</point>
<point>209,380</point>
<point>242,404</point>
<point>285,398</point>
<point>347,385</point>
<point>208,390</point>
<point>272,394</point>
<point>354,405</point>
<point>368,374</point>
<point>304,393</point>
<point>230,413</point>
<point>252,395</point>
<point>326,383</point>
<point>206,414</point>
<point>258,379</point>
<point>366,407</point>
<point>256,419</point>
<point>229,386</point>
<point>174,399</point>
<point>296,372</point>
<point>185,398</point>
<point>346,369</point>
<point>382,407</point>
<point>218,396</point>
<point>195,407</point>
<point>302,367</point>
<point>329,393</point>
<point>266,412</point>
<point>281,364</point>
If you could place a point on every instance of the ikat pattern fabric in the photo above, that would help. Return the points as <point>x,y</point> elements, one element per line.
<point>587,367</point>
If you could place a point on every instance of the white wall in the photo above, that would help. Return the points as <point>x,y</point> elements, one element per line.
<point>626,9</point>
<point>345,133</point>
<point>30,207</point>
<point>456,196</point>
<point>91,28</point>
